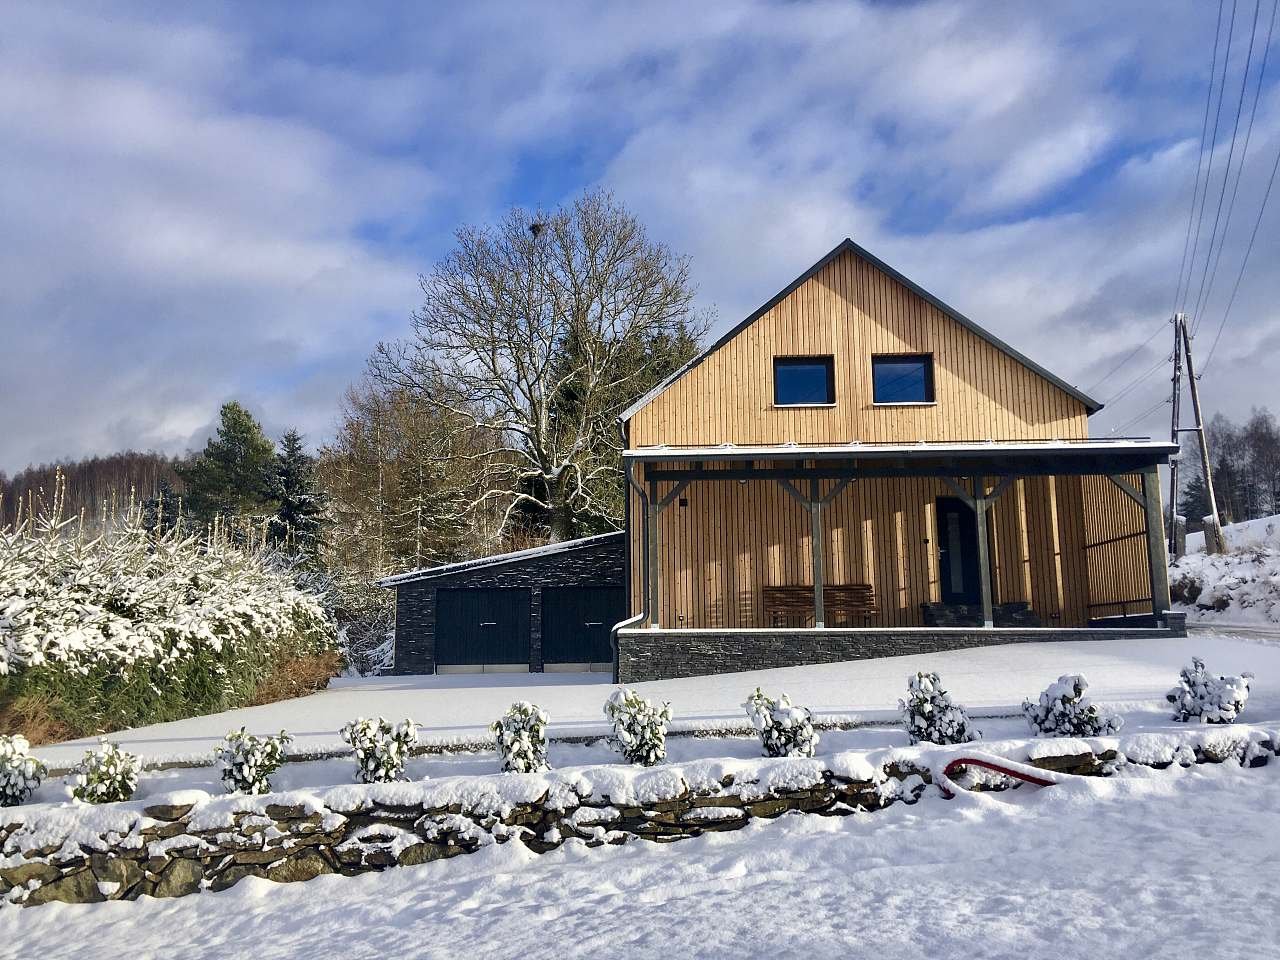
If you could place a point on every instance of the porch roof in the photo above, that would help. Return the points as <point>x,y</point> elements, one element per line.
<point>990,457</point>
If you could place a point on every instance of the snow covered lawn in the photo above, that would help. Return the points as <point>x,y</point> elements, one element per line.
<point>1129,675</point>
<point>1143,864</point>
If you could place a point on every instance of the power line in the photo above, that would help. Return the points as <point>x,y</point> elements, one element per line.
<point>1244,154</point>
<point>1262,209</point>
<point>1213,143</point>
<point>1133,353</point>
<point>1142,416</point>
<point>1226,174</point>
<point>1204,134</point>
<point>1134,383</point>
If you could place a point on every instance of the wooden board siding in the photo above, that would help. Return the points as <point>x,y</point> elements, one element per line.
<point>1116,548</point>
<point>733,538</point>
<point>851,310</point>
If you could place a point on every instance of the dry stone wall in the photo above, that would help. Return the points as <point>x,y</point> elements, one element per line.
<point>85,854</point>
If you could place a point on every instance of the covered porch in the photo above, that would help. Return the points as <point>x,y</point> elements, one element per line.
<point>863,537</point>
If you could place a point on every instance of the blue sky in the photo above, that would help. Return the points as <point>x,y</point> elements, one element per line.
<point>204,203</point>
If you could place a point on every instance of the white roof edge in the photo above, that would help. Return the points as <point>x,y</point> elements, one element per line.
<point>855,447</point>
<point>498,558</point>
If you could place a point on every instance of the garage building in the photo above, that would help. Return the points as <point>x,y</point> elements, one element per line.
<point>548,608</point>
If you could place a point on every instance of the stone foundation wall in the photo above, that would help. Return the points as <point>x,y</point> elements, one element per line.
<point>645,654</point>
<point>176,849</point>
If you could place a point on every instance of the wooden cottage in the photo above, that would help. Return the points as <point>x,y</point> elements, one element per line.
<point>856,469</point>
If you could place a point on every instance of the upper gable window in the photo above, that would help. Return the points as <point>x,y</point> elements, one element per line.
<point>804,381</point>
<point>902,378</point>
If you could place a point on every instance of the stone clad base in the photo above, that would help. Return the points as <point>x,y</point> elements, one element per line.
<point>646,654</point>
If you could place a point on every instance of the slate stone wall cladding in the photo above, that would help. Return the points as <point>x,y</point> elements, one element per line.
<point>662,654</point>
<point>597,564</point>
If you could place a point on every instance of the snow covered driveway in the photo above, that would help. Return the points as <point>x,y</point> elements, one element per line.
<point>1181,862</point>
<point>1131,675</point>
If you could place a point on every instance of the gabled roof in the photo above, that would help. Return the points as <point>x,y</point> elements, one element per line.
<point>846,245</point>
<point>499,559</point>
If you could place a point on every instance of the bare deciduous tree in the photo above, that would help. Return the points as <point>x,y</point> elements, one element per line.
<point>536,332</point>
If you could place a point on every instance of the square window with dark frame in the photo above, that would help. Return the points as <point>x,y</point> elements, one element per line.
<point>804,381</point>
<point>902,378</point>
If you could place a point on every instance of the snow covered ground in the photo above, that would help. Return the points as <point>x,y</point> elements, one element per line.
<point>1131,675</point>
<point>1143,864</point>
<point>1263,532</point>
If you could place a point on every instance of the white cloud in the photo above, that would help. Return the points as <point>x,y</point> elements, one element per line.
<point>237,205</point>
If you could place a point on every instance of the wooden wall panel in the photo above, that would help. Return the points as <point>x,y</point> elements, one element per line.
<point>851,310</point>
<point>1115,544</point>
<point>732,538</point>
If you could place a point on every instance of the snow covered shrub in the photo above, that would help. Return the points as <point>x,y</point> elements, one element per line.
<point>381,747</point>
<point>20,773</point>
<point>1064,711</point>
<point>785,730</point>
<point>639,728</point>
<point>931,715</point>
<point>1202,697</point>
<point>107,776</point>
<point>248,761</point>
<point>521,737</point>
<point>105,626</point>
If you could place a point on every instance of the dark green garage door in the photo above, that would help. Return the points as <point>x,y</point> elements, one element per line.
<point>576,622</point>
<point>482,626</point>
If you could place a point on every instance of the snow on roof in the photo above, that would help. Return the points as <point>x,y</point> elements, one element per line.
<point>548,549</point>
<point>923,448</point>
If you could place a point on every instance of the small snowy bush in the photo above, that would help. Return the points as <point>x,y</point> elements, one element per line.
<point>20,773</point>
<point>248,761</point>
<point>521,737</point>
<point>1064,711</point>
<point>381,747</point>
<point>931,715</point>
<point>1205,698</point>
<point>639,728</point>
<point>107,776</point>
<point>785,730</point>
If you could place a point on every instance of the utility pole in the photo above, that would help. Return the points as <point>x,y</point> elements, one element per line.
<point>1175,435</point>
<point>1213,531</point>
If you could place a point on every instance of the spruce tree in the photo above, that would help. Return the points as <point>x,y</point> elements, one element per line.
<point>1194,502</point>
<point>301,503</point>
<point>234,475</point>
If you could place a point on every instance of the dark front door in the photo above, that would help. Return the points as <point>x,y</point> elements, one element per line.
<point>482,626</point>
<point>576,622</point>
<point>958,551</point>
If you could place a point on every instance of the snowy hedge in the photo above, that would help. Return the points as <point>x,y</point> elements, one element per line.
<point>521,738</point>
<point>114,627</point>
<point>1064,711</point>
<point>20,773</point>
<point>931,715</point>
<point>1206,698</point>
<point>249,761</point>
<point>785,730</point>
<point>106,776</point>
<point>639,727</point>
<point>381,748</point>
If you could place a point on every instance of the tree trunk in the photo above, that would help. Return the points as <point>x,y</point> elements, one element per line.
<point>561,512</point>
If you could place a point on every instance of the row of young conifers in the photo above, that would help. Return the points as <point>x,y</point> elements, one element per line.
<point>381,747</point>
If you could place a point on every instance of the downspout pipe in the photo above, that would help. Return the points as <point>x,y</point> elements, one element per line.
<point>643,615</point>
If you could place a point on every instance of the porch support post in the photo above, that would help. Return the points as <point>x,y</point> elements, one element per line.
<point>1157,558</point>
<point>651,547</point>
<point>815,533</point>
<point>980,505</point>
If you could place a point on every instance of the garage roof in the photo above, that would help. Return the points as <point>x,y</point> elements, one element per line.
<point>516,556</point>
